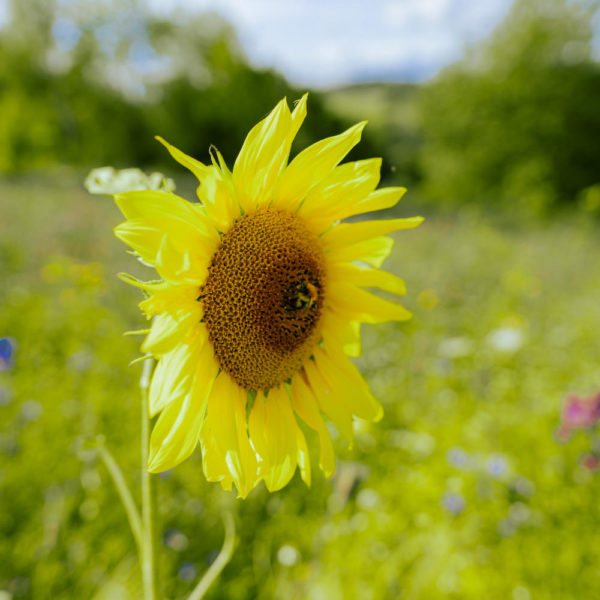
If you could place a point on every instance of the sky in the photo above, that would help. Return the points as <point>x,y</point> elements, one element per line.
<point>326,43</point>
<point>323,43</point>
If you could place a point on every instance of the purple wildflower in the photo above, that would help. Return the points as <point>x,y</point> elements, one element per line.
<point>454,503</point>
<point>7,351</point>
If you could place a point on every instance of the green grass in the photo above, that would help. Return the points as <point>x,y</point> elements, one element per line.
<point>459,492</point>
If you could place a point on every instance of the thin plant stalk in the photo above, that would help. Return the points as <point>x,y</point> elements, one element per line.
<point>133,515</point>
<point>143,527</point>
<point>220,562</point>
<point>148,562</point>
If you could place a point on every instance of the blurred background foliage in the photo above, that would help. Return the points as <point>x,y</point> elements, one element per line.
<point>462,490</point>
<point>92,83</point>
<point>517,119</point>
<point>514,124</point>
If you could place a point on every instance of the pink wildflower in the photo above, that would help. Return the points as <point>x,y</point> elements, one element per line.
<point>580,412</point>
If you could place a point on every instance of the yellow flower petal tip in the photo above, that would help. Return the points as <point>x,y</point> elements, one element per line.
<point>260,300</point>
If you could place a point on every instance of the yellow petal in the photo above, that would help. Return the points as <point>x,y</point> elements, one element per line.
<point>298,116</point>
<point>305,405</point>
<point>153,204</point>
<point>148,286</point>
<point>373,252</point>
<point>215,189</point>
<point>175,371</point>
<point>366,277</point>
<point>379,200</point>
<point>172,379</point>
<point>329,400</point>
<point>226,424</point>
<point>200,170</point>
<point>262,157</point>
<point>272,428</point>
<point>347,234</point>
<point>345,186</point>
<point>172,297</point>
<point>194,247</point>
<point>344,377</point>
<point>176,432</point>
<point>341,332</point>
<point>169,329</point>
<point>213,458</point>
<point>302,456</point>
<point>359,305</point>
<point>218,196</point>
<point>178,266</point>
<point>312,165</point>
<point>141,237</point>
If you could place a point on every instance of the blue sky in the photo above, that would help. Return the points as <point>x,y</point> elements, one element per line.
<point>329,42</point>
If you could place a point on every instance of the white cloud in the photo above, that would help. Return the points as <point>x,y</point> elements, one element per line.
<point>326,43</point>
<point>402,13</point>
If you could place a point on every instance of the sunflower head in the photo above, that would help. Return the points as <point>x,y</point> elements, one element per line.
<point>260,302</point>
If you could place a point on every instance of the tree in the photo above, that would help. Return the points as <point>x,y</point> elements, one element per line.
<point>517,120</point>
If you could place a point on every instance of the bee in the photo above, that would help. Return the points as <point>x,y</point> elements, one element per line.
<point>305,295</point>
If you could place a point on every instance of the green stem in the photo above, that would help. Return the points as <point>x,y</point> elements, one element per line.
<point>147,554</point>
<point>220,562</point>
<point>133,515</point>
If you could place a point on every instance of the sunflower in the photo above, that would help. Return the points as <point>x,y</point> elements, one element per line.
<point>260,302</point>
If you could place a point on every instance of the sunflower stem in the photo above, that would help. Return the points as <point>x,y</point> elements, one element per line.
<point>220,562</point>
<point>148,563</point>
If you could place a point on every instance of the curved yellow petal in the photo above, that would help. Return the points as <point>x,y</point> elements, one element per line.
<point>302,456</point>
<point>171,297</point>
<point>199,169</point>
<point>176,369</point>
<point>215,189</point>
<point>178,266</point>
<point>347,234</point>
<point>168,214</point>
<point>329,400</point>
<point>176,432</point>
<point>169,329</point>
<point>177,314</point>
<point>359,305</point>
<point>345,186</point>
<point>305,405</point>
<point>312,165</point>
<point>213,458</point>
<point>176,246</point>
<point>272,428</point>
<point>373,252</point>
<point>264,154</point>
<point>379,200</point>
<point>366,277</point>
<point>218,197</point>
<point>298,116</point>
<point>154,204</point>
<point>141,237</point>
<point>342,375</point>
<point>225,423</point>
<point>342,332</point>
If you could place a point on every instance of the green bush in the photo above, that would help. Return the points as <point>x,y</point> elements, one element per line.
<point>517,118</point>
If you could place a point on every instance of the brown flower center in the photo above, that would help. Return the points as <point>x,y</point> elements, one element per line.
<point>263,298</point>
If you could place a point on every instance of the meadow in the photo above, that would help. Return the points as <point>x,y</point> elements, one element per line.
<point>461,491</point>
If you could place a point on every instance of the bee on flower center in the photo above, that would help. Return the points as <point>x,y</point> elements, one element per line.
<point>304,296</point>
